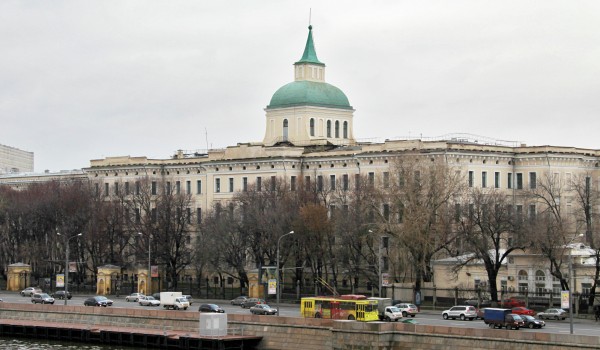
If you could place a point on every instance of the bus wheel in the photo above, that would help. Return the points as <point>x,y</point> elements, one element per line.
<point>317,315</point>
<point>351,318</point>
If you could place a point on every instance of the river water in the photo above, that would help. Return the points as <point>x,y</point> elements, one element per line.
<point>38,344</point>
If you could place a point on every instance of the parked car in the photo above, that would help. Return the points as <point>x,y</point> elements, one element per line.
<point>512,302</point>
<point>148,301</point>
<point>156,296</point>
<point>250,302</point>
<point>532,322</point>
<point>42,298</point>
<point>98,301</point>
<point>27,292</point>
<point>522,311</point>
<point>478,303</point>
<point>408,309</point>
<point>60,294</point>
<point>481,313</point>
<point>189,298</point>
<point>554,314</point>
<point>239,300</point>
<point>134,297</point>
<point>210,308</point>
<point>263,309</point>
<point>462,312</point>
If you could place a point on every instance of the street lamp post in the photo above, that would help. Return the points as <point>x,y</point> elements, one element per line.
<point>278,288</point>
<point>571,292</point>
<point>149,279</point>
<point>571,283</point>
<point>379,267</point>
<point>67,263</point>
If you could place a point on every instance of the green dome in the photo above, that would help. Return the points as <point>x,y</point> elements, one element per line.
<point>309,93</point>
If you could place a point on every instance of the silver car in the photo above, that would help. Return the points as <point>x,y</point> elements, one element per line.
<point>148,301</point>
<point>42,298</point>
<point>554,314</point>
<point>133,297</point>
<point>462,312</point>
<point>29,291</point>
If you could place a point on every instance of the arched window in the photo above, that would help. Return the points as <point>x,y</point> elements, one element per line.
<point>345,130</point>
<point>329,128</point>
<point>522,275</point>
<point>540,276</point>
<point>540,282</point>
<point>337,129</point>
<point>285,129</point>
<point>312,126</point>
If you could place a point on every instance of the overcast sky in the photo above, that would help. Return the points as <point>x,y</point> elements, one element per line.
<point>82,80</point>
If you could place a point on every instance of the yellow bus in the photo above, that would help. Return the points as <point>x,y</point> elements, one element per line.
<point>344,307</point>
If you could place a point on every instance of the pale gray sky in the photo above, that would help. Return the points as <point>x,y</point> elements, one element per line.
<point>83,80</point>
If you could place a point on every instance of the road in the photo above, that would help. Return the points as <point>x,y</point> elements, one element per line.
<point>426,317</point>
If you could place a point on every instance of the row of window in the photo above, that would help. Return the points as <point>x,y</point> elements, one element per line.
<point>329,133</point>
<point>126,188</point>
<point>176,187</point>
<point>345,182</point>
<point>516,180</point>
<point>518,177</point>
<point>154,215</point>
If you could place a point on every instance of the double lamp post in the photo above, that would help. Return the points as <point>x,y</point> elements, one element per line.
<point>278,288</point>
<point>67,240</point>
<point>149,278</point>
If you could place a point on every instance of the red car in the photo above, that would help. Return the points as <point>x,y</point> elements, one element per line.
<point>522,311</point>
<point>512,302</point>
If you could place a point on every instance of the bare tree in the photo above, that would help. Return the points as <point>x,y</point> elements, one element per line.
<point>587,198</point>
<point>550,228</point>
<point>421,192</point>
<point>486,227</point>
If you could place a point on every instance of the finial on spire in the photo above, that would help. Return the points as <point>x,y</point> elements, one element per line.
<point>309,18</point>
<point>310,55</point>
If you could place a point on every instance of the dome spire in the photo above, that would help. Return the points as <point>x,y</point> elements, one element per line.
<point>310,54</point>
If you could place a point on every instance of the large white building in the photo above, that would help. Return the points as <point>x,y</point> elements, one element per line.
<point>309,137</point>
<point>14,160</point>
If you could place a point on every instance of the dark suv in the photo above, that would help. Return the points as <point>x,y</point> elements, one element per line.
<point>60,294</point>
<point>250,302</point>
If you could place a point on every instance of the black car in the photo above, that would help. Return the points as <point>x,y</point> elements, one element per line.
<point>210,308</point>
<point>60,294</point>
<point>97,301</point>
<point>156,296</point>
<point>532,322</point>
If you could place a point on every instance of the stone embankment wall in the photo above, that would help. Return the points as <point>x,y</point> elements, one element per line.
<point>309,334</point>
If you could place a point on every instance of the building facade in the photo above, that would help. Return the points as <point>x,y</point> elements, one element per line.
<point>14,160</point>
<point>309,138</point>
